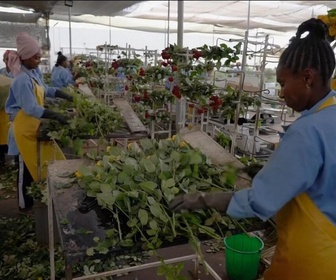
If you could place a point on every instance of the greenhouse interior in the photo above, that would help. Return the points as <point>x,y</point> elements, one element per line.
<point>167,140</point>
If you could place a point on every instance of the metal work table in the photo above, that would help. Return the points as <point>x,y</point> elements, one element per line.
<point>63,203</point>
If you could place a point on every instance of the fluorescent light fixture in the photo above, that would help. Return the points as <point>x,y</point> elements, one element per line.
<point>68,3</point>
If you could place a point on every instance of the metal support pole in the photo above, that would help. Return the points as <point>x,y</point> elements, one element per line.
<point>181,102</point>
<point>241,80</point>
<point>70,37</point>
<point>51,233</point>
<point>146,56</point>
<point>180,12</point>
<point>261,87</point>
<point>48,40</point>
<point>168,27</point>
<point>110,32</point>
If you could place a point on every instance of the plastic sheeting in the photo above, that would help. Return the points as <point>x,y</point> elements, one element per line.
<point>214,17</point>
<point>219,17</point>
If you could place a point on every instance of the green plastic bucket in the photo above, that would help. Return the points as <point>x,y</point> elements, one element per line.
<point>242,255</point>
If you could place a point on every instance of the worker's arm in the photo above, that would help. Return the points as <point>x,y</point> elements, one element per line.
<point>66,77</point>
<point>291,170</point>
<point>49,114</point>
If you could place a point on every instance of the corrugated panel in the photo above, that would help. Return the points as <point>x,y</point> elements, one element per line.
<point>21,18</point>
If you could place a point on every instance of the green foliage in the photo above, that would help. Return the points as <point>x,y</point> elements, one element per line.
<point>230,101</point>
<point>22,258</point>
<point>8,178</point>
<point>89,118</point>
<point>223,140</point>
<point>137,184</point>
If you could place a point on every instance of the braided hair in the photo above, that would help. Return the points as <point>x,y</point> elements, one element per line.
<point>312,51</point>
<point>60,59</point>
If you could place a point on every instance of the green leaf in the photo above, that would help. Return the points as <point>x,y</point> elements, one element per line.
<point>162,270</point>
<point>163,166</point>
<point>115,151</point>
<point>64,222</point>
<point>153,224</point>
<point>151,232</point>
<point>175,156</point>
<point>103,251</point>
<point>196,158</point>
<point>110,232</point>
<point>83,231</point>
<point>127,243</point>
<point>134,194</point>
<point>179,267</point>
<point>143,217</point>
<point>90,251</point>
<point>105,188</point>
<point>132,162</point>
<point>166,184</point>
<point>106,162</point>
<point>148,186</point>
<point>132,222</point>
<point>185,160</point>
<point>146,144</point>
<point>149,166</point>
<point>122,176</point>
<point>156,210</point>
<point>85,171</point>
<point>151,200</point>
<point>106,199</point>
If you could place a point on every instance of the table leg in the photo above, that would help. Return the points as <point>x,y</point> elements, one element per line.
<point>196,267</point>
<point>51,233</point>
<point>68,272</point>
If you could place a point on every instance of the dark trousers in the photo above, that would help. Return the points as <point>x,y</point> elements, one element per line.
<point>3,152</point>
<point>24,181</point>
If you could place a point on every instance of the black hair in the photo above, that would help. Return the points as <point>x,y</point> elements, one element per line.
<point>60,59</point>
<point>312,51</point>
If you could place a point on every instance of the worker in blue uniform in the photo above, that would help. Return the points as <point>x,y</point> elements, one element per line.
<point>25,109</point>
<point>61,76</point>
<point>4,120</point>
<point>297,184</point>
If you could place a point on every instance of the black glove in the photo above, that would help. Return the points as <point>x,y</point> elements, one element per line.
<point>48,114</point>
<point>252,169</point>
<point>200,200</point>
<point>63,95</point>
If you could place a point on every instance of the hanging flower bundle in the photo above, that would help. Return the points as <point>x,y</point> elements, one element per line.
<point>330,20</point>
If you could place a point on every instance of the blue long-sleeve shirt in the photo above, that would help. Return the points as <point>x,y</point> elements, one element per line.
<point>3,71</point>
<point>305,161</point>
<point>22,96</point>
<point>61,77</point>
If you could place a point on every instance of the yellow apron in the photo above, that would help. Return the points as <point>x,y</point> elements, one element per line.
<point>306,247</point>
<point>5,83</point>
<point>4,127</point>
<point>25,130</point>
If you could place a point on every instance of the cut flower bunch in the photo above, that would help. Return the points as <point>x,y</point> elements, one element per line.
<point>330,20</point>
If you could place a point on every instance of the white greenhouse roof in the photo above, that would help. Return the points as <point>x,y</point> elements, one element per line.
<point>219,17</point>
